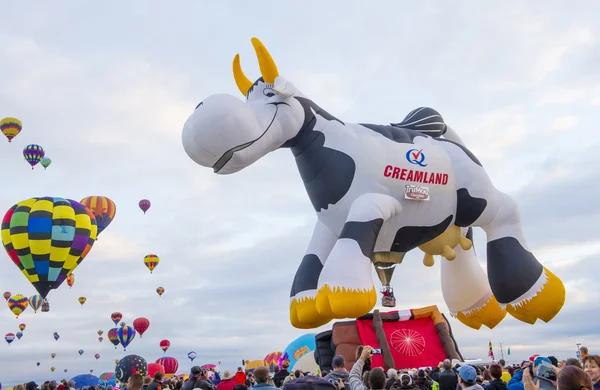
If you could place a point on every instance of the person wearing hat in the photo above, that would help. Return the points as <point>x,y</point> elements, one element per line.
<point>227,381</point>
<point>197,380</point>
<point>467,378</point>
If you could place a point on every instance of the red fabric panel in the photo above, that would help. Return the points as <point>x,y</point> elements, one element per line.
<point>414,343</point>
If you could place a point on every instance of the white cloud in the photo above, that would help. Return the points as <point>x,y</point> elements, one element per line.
<point>564,123</point>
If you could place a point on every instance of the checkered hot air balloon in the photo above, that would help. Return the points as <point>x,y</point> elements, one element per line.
<point>33,154</point>
<point>47,238</point>
<point>17,304</point>
<point>10,127</point>
<point>151,262</point>
<point>103,209</point>
<point>35,301</point>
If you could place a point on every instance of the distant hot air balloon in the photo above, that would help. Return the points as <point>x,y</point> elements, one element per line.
<point>116,317</point>
<point>160,291</point>
<point>66,370</point>
<point>17,304</point>
<point>9,337</point>
<point>38,364</point>
<point>141,325</point>
<point>151,262</point>
<point>52,355</point>
<point>91,371</point>
<point>122,324</point>
<point>46,161</point>
<point>19,335</point>
<point>58,232</point>
<point>6,295</point>
<point>103,209</point>
<point>192,355</point>
<point>100,332</point>
<point>35,301</point>
<point>145,205</point>
<point>164,345</point>
<point>125,334</point>
<point>52,369</point>
<point>112,337</point>
<point>97,356</point>
<point>100,338</point>
<point>22,326</point>
<point>70,280</point>
<point>170,364</point>
<point>82,300</point>
<point>33,154</point>
<point>80,352</point>
<point>10,127</point>
<point>56,336</point>
<point>116,360</point>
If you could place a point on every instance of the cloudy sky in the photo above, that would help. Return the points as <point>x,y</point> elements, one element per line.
<point>105,89</point>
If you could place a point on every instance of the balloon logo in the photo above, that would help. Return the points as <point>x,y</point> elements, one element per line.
<point>164,345</point>
<point>116,317</point>
<point>112,337</point>
<point>35,301</point>
<point>151,262</point>
<point>141,325</point>
<point>82,300</point>
<point>70,280</point>
<point>47,238</point>
<point>33,154</point>
<point>6,295</point>
<point>17,304</point>
<point>125,334</point>
<point>46,161</point>
<point>145,205</point>
<point>10,127</point>
<point>10,337</point>
<point>103,209</point>
<point>160,291</point>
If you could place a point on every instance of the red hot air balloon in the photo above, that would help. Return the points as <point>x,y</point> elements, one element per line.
<point>141,325</point>
<point>153,368</point>
<point>145,205</point>
<point>170,364</point>
<point>71,280</point>
<point>7,295</point>
<point>164,345</point>
<point>116,317</point>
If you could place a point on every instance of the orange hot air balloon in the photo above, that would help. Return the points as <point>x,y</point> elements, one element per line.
<point>71,280</point>
<point>103,208</point>
<point>160,291</point>
<point>82,300</point>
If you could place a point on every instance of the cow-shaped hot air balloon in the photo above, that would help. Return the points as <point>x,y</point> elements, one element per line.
<point>47,238</point>
<point>379,191</point>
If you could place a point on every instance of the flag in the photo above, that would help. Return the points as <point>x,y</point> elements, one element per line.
<point>491,352</point>
<point>508,351</point>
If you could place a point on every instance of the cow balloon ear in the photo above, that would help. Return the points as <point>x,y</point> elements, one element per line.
<point>283,88</point>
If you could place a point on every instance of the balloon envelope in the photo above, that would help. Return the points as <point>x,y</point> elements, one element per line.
<point>35,301</point>
<point>10,127</point>
<point>103,208</point>
<point>170,364</point>
<point>141,325</point>
<point>151,262</point>
<point>145,205</point>
<point>164,345</point>
<point>17,304</point>
<point>160,291</point>
<point>153,368</point>
<point>33,154</point>
<point>46,161</point>
<point>47,238</point>
<point>300,347</point>
<point>85,380</point>
<point>125,334</point>
<point>116,317</point>
<point>129,365</point>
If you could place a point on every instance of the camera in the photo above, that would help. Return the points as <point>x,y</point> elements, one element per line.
<point>376,351</point>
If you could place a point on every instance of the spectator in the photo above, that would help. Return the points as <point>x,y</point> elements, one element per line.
<point>240,377</point>
<point>135,382</point>
<point>281,375</point>
<point>339,371</point>
<point>376,379</point>
<point>496,383</point>
<point>198,380</point>
<point>467,378</point>
<point>392,378</point>
<point>405,383</point>
<point>573,362</point>
<point>423,382</point>
<point>591,364</point>
<point>583,352</point>
<point>227,381</point>
<point>147,381</point>
<point>447,378</point>
<point>156,384</point>
<point>263,378</point>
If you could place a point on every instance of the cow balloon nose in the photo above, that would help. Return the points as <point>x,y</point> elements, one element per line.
<point>219,123</point>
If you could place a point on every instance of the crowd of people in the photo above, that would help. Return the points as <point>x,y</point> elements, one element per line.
<point>539,373</point>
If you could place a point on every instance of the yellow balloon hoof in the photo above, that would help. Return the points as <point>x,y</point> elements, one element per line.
<point>428,260</point>
<point>449,253</point>
<point>340,302</point>
<point>544,305</point>
<point>304,314</point>
<point>465,243</point>
<point>490,315</point>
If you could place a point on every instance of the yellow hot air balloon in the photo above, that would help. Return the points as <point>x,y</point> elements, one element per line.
<point>17,304</point>
<point>103,208</point>
<point>82,300</point>
<point>52,355</point>
<point>10,127</point>
<point>151,262</point>
<point>47,238</point>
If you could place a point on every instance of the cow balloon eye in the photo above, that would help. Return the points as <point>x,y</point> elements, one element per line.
<point>268,92</point>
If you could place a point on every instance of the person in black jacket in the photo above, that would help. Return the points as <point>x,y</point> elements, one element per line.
<point>199,380</point>
<point>156,384</point>
<point>447,379</point>
<point>282,374</point>
<point>496,383</point>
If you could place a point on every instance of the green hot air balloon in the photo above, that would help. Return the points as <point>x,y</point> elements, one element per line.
<point>46,161</point>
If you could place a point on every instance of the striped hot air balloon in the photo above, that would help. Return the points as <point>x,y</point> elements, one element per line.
<point>35,301</point>
<point>22,326</point>
<point>151,262</point>
<point>116,317</point>
<point>6,295</point>
<point>47,238</point>
<point>17,304</point>
<point>125,334</point>
<point>141,325</point>
<point>33,154</point>
<point>9,337</point>
<point>112,337</point>
<point>103,209</point>
<point>10,127</point>
<point>170,364</point>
